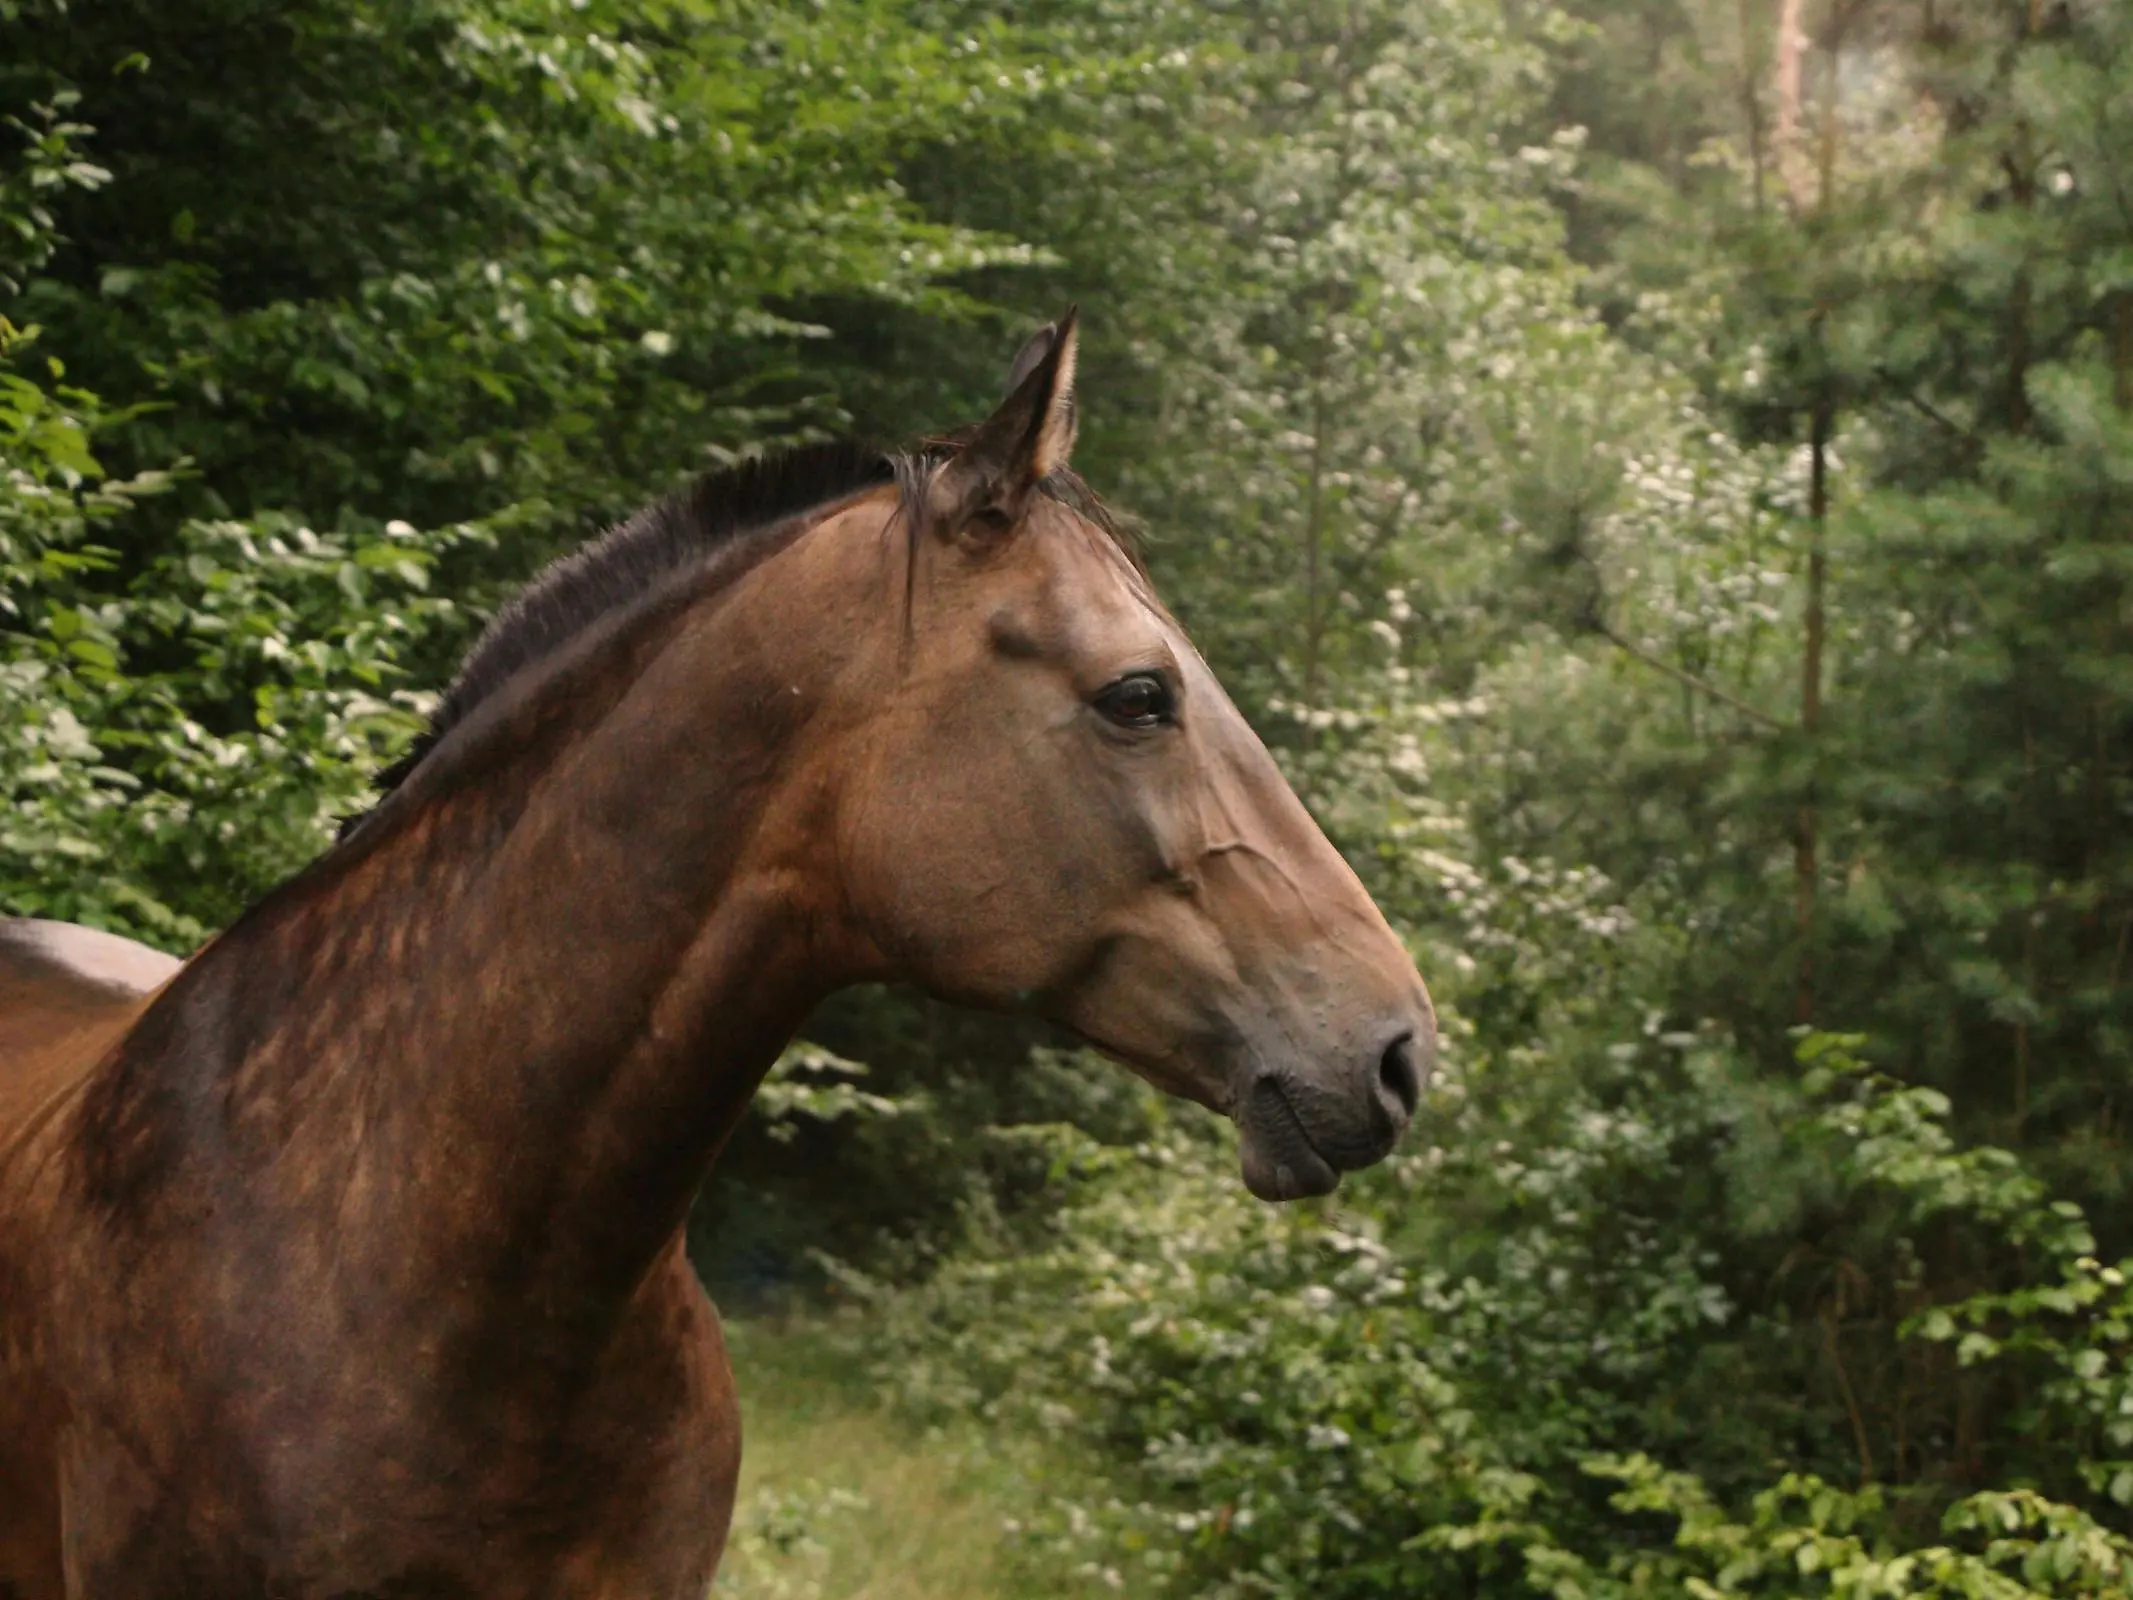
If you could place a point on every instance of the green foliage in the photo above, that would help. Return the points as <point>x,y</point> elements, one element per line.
<point>168,816</point>
<point>1807,1537</point>
<point>431,258</point>
<point>1310,1402</point>
<point>807,1081</point>
<point>50,163</point>
<point>1936,279</point>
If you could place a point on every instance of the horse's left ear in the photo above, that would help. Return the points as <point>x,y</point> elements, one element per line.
<point>986,486</point>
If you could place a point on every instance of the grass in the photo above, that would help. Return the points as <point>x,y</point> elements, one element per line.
<point>840,1500</point>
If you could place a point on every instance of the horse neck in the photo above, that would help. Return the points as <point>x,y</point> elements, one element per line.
<point>503,1040</point>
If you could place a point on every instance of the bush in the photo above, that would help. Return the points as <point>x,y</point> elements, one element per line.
<point>1335,1401</point>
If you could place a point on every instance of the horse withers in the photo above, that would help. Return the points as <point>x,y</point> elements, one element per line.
<point>347,1260</point>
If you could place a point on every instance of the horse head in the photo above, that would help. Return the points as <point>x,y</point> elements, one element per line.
<point>1050,803</point>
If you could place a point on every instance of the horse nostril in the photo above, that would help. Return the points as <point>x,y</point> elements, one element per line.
<point>1399,1077</point>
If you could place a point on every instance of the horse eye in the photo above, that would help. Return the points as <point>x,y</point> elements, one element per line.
<point>1138,700</point>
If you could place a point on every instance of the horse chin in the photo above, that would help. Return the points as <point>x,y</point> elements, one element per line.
<point>1280,1162</point>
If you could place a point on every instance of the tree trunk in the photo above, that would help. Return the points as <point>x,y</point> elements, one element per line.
<point>1806,867</point>
<point>2020,165</point>
<point>1791,162</point>
<point>1806,848</point>
<point>2122,349</point>
<point>1752,103</point>
<point>1314,541</point>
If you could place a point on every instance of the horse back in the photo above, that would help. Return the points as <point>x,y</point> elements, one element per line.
<point>66,995</point>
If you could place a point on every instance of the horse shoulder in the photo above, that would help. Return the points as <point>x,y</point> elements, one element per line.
<point>672,1433</point>
<point>657,1445</point>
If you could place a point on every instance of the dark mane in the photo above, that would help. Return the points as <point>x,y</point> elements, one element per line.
<point>629,561</point>
<point>718,513</point>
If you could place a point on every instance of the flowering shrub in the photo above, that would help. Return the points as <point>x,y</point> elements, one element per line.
<point>1335,1401</point>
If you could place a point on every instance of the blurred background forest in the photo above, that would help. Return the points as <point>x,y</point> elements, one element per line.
<point>1658,472</point>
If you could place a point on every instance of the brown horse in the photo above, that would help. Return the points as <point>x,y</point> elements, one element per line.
<point>348,1260</point>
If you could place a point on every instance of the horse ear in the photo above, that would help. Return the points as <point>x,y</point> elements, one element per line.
<point>987,484</point>
<point>1034,349</point>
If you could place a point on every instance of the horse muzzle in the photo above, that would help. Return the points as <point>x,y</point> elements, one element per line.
<point>1298,1133</point>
